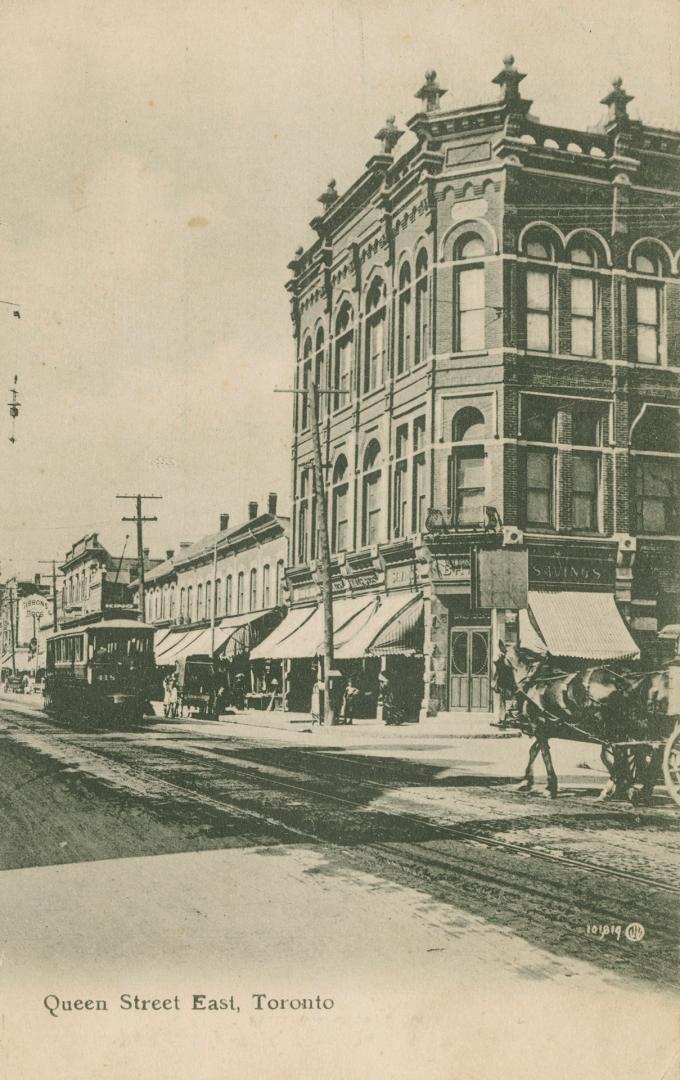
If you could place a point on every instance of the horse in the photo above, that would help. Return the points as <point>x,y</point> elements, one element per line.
<point>594,703</point>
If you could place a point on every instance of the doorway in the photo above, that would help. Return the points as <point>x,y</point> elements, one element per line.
<point>470,670</point>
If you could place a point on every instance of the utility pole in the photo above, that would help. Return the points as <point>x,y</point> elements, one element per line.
<point>53,564</point>
<point>13,632</point>
<point>313,391</point>
<point>140,519</point>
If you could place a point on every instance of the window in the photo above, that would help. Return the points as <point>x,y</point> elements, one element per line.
<point>339,526</point>
<point>419,492</point>
<point>228,602</point>
<point>344,357</point>
<point>583,305</point>
<point>306,379</point>
<point>648,323</point>
<point>657,491</point>
<point>320,370</point>
<point>468,479</point>
<point>303,517</point>
<point>538,420</point>
<point>374,363</point>
<point>404,337</point>
<point>171,604</point>
<point>371,501</point>
<point>190,604</point>
<point>208,600</point>
<point>253,590</point>
<point>586,487</point>
<point>240,593</point>
<point>656,450</point>
<point>471,301</point>
<point>266,599</point>
<point>400,497</point>
<point>280,581</point>
<point>218,597</point>
<point>586,427</point>
<point>540,488</point>
<point>539,310</point>
<point>421,313</point>
<point>199,602</point>
<point>182,603</point>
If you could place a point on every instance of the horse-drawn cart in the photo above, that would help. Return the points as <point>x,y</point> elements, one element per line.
<point>633,715</point>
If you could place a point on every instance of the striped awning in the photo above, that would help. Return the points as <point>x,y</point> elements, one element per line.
<point>269,648</point>
<point>580,625</point>
<point>386,627</point>
<point>307,640</point>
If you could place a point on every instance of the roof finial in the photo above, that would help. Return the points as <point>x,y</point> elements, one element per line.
<point>617,101</point>
<point>430,92</point>
<point>329,196</point>
<point>509,79</point>
<point>389,135</point>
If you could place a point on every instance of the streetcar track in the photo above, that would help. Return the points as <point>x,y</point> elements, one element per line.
<point>452,831</point>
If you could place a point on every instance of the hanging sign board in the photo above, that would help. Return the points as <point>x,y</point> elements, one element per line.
<point>502,578</point>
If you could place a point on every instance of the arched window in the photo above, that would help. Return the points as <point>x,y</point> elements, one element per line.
<point>376,312</point>
<point>280,580</point>
<point>199,602</point>
<point>343,361</point>
<point>422,314</point>
<point>648,300</point>
<point>303,517</point>
<point>419,477</point>
<point>228,598</point>
<point>266,598</point>
<point>190,604</point>
<point>240,593</point>
<point>339,525</point>
<point>371,501</point>
<point>405,315</point>
<point>182,604</point>
<point>171,603</point>
<point>470,295</point>
<point>400,484</point>
<point>320,369</point>
<point>306,379</point>
<point>583,288</point>
<point>655,447</point>
<point>540,288</point>
<point>208,600</point>
<point>218,597</point>
<point>253,590</point>
<point>467,471</point>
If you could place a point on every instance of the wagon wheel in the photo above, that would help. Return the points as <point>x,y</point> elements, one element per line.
<point>671,765</point>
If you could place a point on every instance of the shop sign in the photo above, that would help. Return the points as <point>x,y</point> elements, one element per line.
<point>307,591</point>
<point>571,570</point>
<point>396,576</point>
<point>447,568</point>
<point>365,580</point>
<point>338,585</point>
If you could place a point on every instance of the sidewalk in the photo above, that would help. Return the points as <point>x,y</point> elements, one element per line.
<point>451,725</point>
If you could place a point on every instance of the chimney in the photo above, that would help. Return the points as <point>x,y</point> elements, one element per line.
<point>271,503</point>
<point>37,580</point>
<point>169,552</point>
<point>224,522</point>
<point>252,511</point>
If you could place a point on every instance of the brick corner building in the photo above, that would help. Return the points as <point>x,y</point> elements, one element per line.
<point>498,309</point>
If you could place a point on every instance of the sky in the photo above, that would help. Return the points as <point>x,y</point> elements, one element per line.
<point>160,164</point>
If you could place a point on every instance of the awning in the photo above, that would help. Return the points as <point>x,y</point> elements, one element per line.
<point>386,627</point>
<point>307,640</point>
<point>583,625</point>
<point>161,636</point>
<point>173,646</point>
<point>269,648</point>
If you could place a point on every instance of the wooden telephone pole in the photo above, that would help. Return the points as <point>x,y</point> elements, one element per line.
<point>140,519</point>
<point>53,564</point>
<point>313,391</point>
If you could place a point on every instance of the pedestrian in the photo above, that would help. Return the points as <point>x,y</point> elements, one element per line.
<point>174,696</point>
<point>317,702</point>
<point>166,695</point>
<point>391,713</point>
<point>240,691</point>
<point>349,701</point>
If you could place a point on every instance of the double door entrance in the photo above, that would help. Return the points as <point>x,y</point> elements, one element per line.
<point>470,669</point>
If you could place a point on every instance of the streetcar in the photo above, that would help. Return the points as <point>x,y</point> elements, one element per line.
<point>100,671</point>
